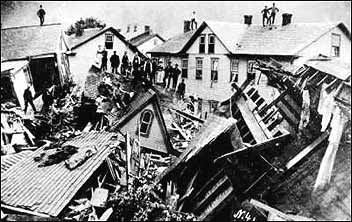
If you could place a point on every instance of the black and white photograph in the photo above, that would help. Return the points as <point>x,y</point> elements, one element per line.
<point>175,111</point>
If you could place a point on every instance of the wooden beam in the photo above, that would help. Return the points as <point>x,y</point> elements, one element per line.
<point>187,115</point>
<point>20,210</point>
<point>293,162</point>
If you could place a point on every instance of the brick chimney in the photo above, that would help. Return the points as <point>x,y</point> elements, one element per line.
<point>248,19</point>
<point>147,28</point>
<point>186,26</point>
<point>286,18</point>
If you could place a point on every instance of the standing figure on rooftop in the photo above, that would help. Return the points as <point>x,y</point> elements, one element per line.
<point>154,70</point>
<point>181,89</point>
<point>193,21</point>
<point>135,69</point>
<point>168,75</point>
<point>28,98</point>
<point>272,14</point>
<point>124,65</point>
<point>265,13</point>
<point>41,14</point>
<point>148,68</point>
<point>115,62</point>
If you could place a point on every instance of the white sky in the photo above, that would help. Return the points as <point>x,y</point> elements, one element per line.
<point>166,18</point>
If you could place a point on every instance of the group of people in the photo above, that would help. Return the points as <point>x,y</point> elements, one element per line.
<point>269,15</point>
<point>172,74</point>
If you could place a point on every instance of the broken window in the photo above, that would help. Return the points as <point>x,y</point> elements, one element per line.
<point>202,44</point>
<point>109,41</point>
<point>199,68</point>
<point>214,69</point>
<point>184,66</point>
<point>335,45</point>
<point>234,64</point>
<point>146,121</point>
<point>250,69</point>
<point>211,44</point>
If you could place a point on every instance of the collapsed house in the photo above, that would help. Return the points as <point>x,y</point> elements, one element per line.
<point>273,144</point>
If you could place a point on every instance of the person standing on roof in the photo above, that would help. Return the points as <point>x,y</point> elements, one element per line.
<point>115,62</point>
<point>135,69</point>
<point>148,69</point>
<point>124,65</point>
<point>181,89</point>
<point>104,60</point>
<point>41,14</point>
<point>265,13</point>
<point>168,75</point>
<point>193,21</point>
<point>273,13</point>
<point>154,70</point>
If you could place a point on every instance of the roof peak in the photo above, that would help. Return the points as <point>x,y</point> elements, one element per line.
<point>31,26</point>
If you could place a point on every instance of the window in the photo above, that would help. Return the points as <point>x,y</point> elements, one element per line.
<point>199,68</point>
<point>234,64</point>
<point>212,106</point>
<point>335,45</point>
<point>146,121</point>
<point>214,62</point>
<point>250,69</point>
<point>109,41</point>
<point>184,66</point>
<point>135,29</point>
<point>211,44</point>
<point>202,44</point>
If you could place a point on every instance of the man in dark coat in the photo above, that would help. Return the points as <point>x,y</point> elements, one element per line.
<point>28,98</point>
<point>175,74</point>
<point>136,62</point>
<point>154,70</point>
<point>104,61</point>
<point>41,14</point>
<point>168,73</point>
<point>47,100</point>
<point>265,13</point>
<point>124,65</point>
<point>181,89</point>
<point>148,69</point>
<point>115,62</point>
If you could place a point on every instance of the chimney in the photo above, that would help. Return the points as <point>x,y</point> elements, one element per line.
<point>186,26</point>
<point>248,19</point>
<point>147,28</point>
<point>286,18</point>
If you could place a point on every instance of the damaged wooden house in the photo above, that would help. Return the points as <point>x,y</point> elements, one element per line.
<point>33,54</point>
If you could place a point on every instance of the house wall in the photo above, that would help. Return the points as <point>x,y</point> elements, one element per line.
<point>20,80</point>
<point>155,140</point>
<point>149,45</point>
<point>86,54</point>
<point>323,46</point>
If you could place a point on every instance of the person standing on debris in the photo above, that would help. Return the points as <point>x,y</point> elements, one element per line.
<point>265,13</point>
<point>273,13</point>
<point>41,14</point>
<point>115,62</point>
<point>104,60</point>
<point>28,98</point>
<point>193,21</point>
<point>154,70</point>
<point>175,74</point>
<point>47,100</point>
<point>148,69</point>
<point>167,76</point>
<point>181,90</point>
<point>124,65</point>
<point>117,96</point>
<point>135,69</point>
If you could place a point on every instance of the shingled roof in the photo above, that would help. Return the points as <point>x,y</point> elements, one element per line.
<point>142,38</point>
<point>24,41</point>
<point>173,45</point>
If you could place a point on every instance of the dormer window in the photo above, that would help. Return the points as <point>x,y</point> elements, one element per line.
<point>211,44</point>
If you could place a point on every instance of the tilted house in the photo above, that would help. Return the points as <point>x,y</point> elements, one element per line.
<point>219,53</point>
<point>83,49</point>
<point>43,47</point>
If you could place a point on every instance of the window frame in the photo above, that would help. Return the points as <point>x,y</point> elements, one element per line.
<point>335,49</point>
<point>199,76</point>
<point>213,72</point>
<point>201,45</point>
<point>142,121</point>
<point>211,44</point>
<point>109,44</point>
<point>250,69</point>
<point>234,72</point>
<point>184,68</point>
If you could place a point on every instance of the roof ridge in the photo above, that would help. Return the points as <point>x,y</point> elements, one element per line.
<point>30,26</point>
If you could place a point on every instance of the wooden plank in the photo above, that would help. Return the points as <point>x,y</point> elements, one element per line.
<point>20,210</point>
<point>287,113</point>
<point>251,121</point>
<point>207,183</point>
<point>293,162</point>
<point>187,115</point>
